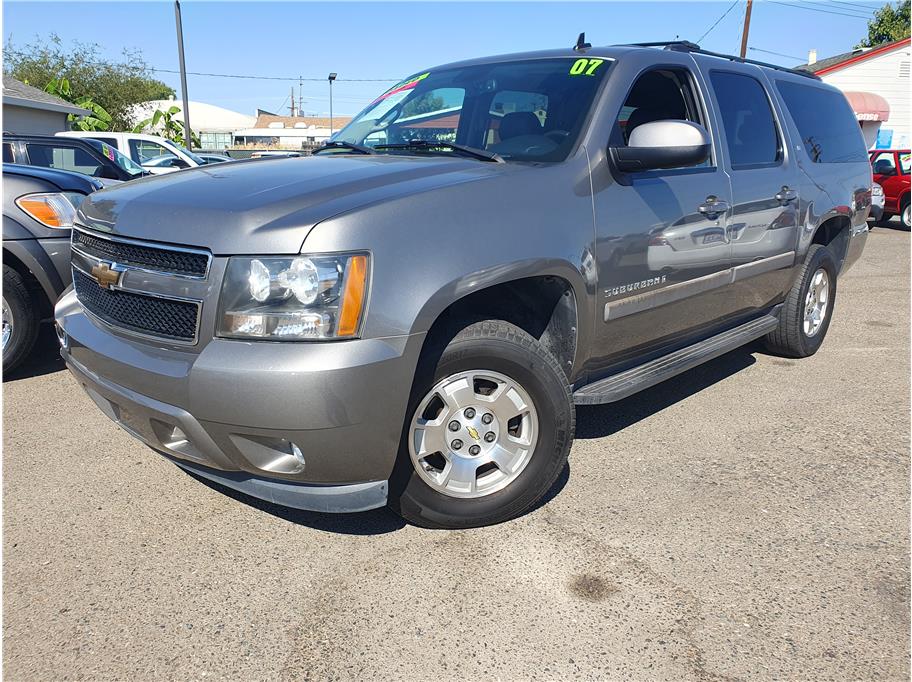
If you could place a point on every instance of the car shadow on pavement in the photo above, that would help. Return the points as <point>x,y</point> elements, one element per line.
<point>599,421</point>
<point>44,358</point>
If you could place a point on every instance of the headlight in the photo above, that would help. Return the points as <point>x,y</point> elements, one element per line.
<point>877,190</point>
<point>52,209</point>
<point>294,298</point>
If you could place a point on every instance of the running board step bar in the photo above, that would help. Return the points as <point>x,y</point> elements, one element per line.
<point>619,386</point>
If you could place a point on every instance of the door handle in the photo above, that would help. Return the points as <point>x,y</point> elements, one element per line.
<point>785,195</point>
<point>713,207</point>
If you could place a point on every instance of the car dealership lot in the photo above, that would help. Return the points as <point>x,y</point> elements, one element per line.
<point>746,519</point>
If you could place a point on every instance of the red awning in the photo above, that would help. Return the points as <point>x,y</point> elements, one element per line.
<point>868,106</point>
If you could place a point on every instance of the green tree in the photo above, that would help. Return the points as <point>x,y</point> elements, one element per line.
<point>114,85</point>
<point>890,22</point>
<point>99,119</point>
<point>166,124</point>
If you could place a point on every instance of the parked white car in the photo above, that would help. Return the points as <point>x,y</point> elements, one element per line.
<point>143,148</point>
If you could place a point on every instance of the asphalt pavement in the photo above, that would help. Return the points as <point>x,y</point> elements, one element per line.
<point>746,520</point>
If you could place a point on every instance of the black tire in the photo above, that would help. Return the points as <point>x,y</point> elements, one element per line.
<point>884,220</point>
<point>25,316</point>
<point>501,347</point>
<point>789,339</point>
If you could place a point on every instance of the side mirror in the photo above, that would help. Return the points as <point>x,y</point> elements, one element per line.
<point>662,144</point>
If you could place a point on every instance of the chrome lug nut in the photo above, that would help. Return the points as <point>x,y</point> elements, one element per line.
<point>454,425</point>
<point>457,444</point>
<point>470,412</point>
<point>489,437</point>
<point>487,418</point>
<point>474,450</point>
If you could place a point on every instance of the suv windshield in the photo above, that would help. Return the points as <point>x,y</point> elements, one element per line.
<point>529,110</point>
<point>124,162</point>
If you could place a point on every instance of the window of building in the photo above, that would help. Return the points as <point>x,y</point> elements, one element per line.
<point>750,131</point>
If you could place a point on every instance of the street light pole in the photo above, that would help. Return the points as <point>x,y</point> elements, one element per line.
<point>188,136</point>
<point>331,77</point>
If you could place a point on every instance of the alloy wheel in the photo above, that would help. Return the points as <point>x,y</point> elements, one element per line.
<point>816,302</point>
<point>473,434</point>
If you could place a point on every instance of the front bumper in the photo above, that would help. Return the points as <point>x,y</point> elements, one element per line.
<point>306,425</point>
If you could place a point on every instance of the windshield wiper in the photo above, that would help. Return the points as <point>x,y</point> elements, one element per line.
<point>481,154</point>
<point>349,146</point>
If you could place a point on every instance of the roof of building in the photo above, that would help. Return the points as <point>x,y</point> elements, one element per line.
<point>19,94</point>
<point>272,121</point>
<point>840,61</point>
<point>204,118</point>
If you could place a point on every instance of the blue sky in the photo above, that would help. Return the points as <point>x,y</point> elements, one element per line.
<point>391,40</point>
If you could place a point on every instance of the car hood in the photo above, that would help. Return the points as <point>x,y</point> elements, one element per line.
<point>267,206</point>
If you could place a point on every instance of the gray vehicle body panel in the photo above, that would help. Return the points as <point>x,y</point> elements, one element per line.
<point>648,271</point>
<point>44,251</point>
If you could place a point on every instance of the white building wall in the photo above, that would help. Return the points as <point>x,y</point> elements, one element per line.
<point>881,75</point>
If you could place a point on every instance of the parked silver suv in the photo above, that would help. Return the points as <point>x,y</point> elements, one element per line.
<point>410,316</point>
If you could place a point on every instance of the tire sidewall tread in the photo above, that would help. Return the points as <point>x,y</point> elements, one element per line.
<point>498,346</point>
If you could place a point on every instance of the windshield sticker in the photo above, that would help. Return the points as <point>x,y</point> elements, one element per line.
<point>585,67</point>
<point>404,86</point>
<point>107,151</point>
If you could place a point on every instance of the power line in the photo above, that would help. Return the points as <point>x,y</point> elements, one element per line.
<point>814,9</point>
<point>778,54</point>
<point>870,8</point>
<point>234,75</point>
<point>279,78</point>
<point>830,8</point>
<point>724,14</point>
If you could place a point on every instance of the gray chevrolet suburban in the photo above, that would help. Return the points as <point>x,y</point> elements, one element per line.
<point>410,316</point>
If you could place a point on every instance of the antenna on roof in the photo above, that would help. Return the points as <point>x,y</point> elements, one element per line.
<point>581,43</point>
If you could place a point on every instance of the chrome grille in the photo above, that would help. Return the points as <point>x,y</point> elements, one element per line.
<point>183,262</point>
<point>139,313</point>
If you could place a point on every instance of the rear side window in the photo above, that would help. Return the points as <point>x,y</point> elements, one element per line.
<point>750,131</point>
<point>825,121</point>
<point>63,158</point>
<point>8,153</point>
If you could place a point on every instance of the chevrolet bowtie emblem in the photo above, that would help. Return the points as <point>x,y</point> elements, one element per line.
<point>105,276</point>
<point>473,432</point>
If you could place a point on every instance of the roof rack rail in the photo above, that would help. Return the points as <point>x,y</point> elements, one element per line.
<point>687,46</point>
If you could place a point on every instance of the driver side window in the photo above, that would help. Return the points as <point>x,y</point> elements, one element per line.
<point>659,95</point>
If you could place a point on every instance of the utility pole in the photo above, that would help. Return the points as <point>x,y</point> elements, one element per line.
<point>188,135</point>
<point>300,96</point>
<point>331,78</point>
<point>292,102</point>
<point>747,24</point>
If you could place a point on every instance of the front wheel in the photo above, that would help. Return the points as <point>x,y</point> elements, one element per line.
<point>20,319</point>
<point>906,217</point>
<point>487,434</point>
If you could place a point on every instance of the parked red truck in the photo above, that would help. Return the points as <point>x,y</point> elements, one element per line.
<point>891,171</point>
